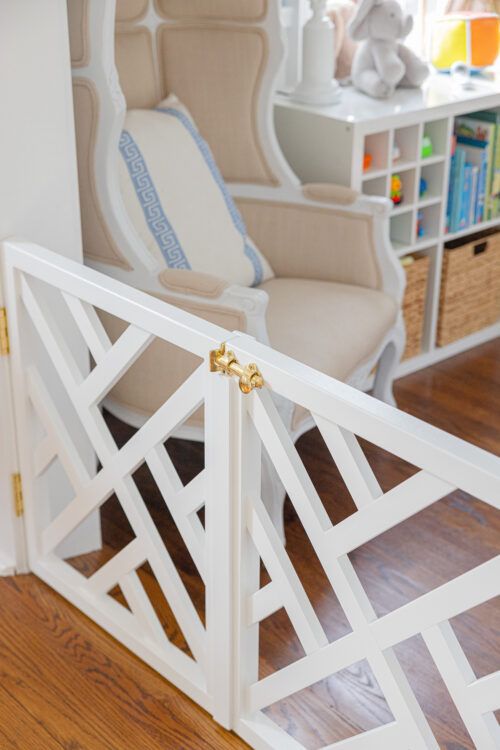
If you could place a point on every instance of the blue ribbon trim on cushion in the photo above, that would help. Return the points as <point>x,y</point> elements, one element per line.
<point>236,217</point>
<point>157,222</point>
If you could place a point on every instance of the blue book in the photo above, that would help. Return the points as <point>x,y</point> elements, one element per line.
<point>474,130</point>
<point>463,221</point>
<point>457,189</point>
<point>451,188</point>
<point>477,153</point>
<point>473,194</point>
<point>481,190</point>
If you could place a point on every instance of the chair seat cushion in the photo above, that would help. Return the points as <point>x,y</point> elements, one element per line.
<point>177,200</point>
<point>331,327</point>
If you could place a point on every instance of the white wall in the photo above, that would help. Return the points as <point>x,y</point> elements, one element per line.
<point>38,176</point>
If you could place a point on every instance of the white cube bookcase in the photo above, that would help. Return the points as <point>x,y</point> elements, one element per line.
<point>327,144</point>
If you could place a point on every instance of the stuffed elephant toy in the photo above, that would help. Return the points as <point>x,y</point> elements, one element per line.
<point>381,62</point>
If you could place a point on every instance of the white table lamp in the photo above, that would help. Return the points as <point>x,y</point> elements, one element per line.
<point>318,87</point>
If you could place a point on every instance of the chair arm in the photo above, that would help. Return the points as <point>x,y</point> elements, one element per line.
<point>326,232</point>
<point>182,281</point>
<point>230,306</point>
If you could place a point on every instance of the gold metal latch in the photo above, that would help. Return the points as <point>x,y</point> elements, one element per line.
<point>4,333</point>
<point>223,360</point>
<point>17,487</point>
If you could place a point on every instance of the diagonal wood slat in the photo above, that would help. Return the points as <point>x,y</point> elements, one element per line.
<point>127,559</point>
<point>387,511</point>
<point>458,677</point>
<point>125,461</point>
<point>294,599</point>
<point>142,609</point>
<point>113,364</point>
<point>351,462</point>
<point>189,525</point>
<point>55,428</point>
<point>89,325</point>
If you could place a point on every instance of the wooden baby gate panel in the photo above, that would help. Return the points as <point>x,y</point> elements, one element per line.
<point>41,288</point>
<point>235,541</point>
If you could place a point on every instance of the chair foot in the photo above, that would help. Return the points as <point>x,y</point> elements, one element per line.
<point>386,370</point>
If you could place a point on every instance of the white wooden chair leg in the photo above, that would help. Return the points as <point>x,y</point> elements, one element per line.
<point>387,366</point>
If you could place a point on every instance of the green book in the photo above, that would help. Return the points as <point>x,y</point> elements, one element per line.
<point>483,129</point>
<point>492,116</point>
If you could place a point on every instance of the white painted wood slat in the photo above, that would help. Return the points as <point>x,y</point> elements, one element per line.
<point>298,607</point>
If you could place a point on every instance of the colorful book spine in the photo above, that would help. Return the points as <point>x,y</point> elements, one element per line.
<point>479,129</point>
<point>473,194</point>
<point>476,153</point>
<point>465,198</point>
<point>451,183</point>
<point>481,191</point>
<point>457,192</point>
<point>492,188</point>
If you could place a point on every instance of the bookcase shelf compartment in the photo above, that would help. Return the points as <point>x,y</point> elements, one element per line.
<point>377,145</point>
<point>430,217</point>
<point>375,186</point>
<point>437,131</point>
<point>407,141</point>
<point>409,187</point>
<point>433,174</point>
<point>401,228</point>
<point>339,136</point>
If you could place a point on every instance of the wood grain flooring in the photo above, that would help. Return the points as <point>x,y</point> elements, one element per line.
<point>66,684</point>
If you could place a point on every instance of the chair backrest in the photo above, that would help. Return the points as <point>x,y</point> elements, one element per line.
<point>220,57</point>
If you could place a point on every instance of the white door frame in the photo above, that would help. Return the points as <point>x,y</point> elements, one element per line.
<point>38,193</point>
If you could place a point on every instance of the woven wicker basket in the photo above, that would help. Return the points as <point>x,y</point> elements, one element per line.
<point>417,274</point>
<point>470,288</point>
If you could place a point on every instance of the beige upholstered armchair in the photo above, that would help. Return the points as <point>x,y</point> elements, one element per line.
<point>334,302</point>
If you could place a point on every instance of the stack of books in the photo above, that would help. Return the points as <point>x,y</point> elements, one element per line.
<point>474,185</point>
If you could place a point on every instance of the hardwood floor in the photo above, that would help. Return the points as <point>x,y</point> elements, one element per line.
<point>66,684</point>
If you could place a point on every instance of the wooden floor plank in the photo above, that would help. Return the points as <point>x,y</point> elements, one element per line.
<point>86,689</point>
<point>19,729</point>
<point>65,683</point>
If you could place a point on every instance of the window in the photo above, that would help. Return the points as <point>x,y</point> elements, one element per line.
<point>296,12</point>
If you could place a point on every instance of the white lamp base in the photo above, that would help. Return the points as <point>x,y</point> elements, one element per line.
<point>320,96</point>
<point>318,87</point>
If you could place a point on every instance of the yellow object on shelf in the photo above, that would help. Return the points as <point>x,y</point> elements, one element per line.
<point>470,38</point>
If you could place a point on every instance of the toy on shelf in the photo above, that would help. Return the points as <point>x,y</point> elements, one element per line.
<point>367,162</point>
<point>381,62</point>
<point>469,38</point>
<point>427,148</point>
<point>420,224</point>
<point>396,153</point>
<point>422,190</point>
<point>396,189</point>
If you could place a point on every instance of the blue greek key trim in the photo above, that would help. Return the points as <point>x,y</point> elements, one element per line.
<point>236,217</point>
<point>157,222</point>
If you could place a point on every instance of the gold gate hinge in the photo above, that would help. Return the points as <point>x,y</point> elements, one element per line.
<point>4,333</point>
<point>17,487</point>
<point>223,360</point>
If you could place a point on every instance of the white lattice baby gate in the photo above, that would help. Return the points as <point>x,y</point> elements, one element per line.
<point>219,667</point>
